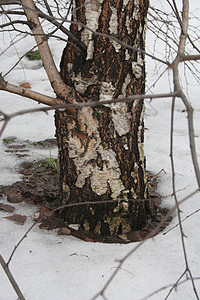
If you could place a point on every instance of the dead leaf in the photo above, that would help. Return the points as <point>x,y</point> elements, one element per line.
<point>13,195</point>
<point>87,239</point>
<point>64,231</point>
<point>51,223</point>
<point>25,85</point>
<point>44,214</point>
<point>17,218</point>
<point>7,207</point>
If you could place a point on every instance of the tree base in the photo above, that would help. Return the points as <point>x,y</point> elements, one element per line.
<point>129,237</point>
<point>40,186</point>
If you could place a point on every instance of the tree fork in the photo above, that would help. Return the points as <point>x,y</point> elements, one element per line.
<point>101,149</point>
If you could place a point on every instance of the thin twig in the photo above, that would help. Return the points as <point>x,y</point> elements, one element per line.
<point>24,236</point>
<point>175,284</point>
<point>92,104</point>
<point>11,278</point>
<point>48,99</point>
<point>166,287</point>
<point>187,269</point>
<point>110,37</point>
<point>177,87</point>
<point>196,211</point>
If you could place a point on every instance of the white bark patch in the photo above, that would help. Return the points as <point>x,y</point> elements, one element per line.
<point>75,147</point>
<point>128,25</point>
<point>141,147</point>
<point>125,3</point>
<point>127,56</point>
<point>140,128</point>
<point>85,168</point>
<point>84,154</point>
<point>121,118</point>
<point>107,91</point>
<point>113,24</point>
<point>92,13</point>
<point>137,70</point>
<point>110,170</point>
<point>69,66</point>
<point>116,45</point>
<point>125,84</point>
<point>87,122</point>
<point>90,49</point>
<point>140,60</point>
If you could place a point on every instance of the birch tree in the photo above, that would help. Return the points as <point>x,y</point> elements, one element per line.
<point>100,148</point>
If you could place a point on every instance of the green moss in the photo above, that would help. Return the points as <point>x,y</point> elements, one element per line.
<point>86,225</point>
<point>50,163</point>
<point>9,140</point>
<point>6,141</point>
<point>33,55</point>
<point>114,225</point>
<point>118,219</point>
<point>38,143</point>
<point>65,193</point>
<point>98,228</point>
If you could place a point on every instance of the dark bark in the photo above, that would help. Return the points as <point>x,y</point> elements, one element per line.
<point>101,149</point>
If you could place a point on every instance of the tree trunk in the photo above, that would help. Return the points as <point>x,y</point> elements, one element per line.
<point>101,149</point>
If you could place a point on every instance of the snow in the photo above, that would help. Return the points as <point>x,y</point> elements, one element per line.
<point>48,266</point>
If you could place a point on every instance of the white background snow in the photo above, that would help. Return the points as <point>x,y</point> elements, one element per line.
<point>48,266</point>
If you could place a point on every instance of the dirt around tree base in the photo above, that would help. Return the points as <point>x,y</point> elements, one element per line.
<point>40,186</point>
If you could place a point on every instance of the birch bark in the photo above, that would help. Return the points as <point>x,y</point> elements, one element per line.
<point>101,149</point>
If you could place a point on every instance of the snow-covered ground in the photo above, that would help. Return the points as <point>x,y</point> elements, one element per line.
<point>48,266</point>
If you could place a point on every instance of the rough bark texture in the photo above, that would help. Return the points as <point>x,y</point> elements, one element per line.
<point>101,149</point>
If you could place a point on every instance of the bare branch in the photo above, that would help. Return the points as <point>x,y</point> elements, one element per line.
<point>52,19</point>
<point>54,77</point>
<point>177,87</point>
<point>166,287</point>
<point>8,2</point>
<point>187,269</point>
<point>193,44</point>
<point>63,105</point>
<point>190,57</point>
<point>48,8</point>
<point>11,278</point>
<point>6,120</point>
<point>16,22</point>
<point>20,241</point>
<point>175,284</point>
<point>70,107</point>
<point>196,211</point>
<point>41,98</point>
<point>81,45</point>
<point>184,28</point>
